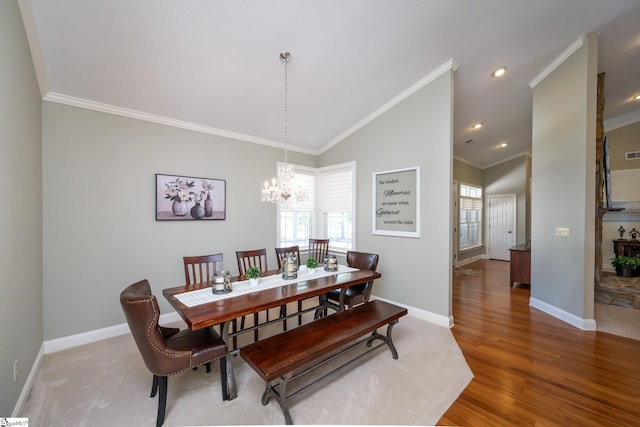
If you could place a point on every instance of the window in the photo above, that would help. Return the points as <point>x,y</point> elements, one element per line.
<point>470,216</point>
<point>297,222</point>
<point>336,205</point>
<point>327,212</point>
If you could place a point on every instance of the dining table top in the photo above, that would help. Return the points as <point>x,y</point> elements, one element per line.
<point>233,307</point>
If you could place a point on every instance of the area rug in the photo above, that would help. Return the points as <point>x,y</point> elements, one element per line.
<point>107,384</point>
<point>465,272</point>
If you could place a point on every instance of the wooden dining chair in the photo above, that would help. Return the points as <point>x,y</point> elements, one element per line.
<point>200,269</point>
<point>319,249</point>
<point>357,294</point>
<point>255,257</point>
<point>281,254</point>
<point>246,259</point>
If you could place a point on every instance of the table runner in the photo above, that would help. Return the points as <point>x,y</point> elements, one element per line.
<point>203,296</point>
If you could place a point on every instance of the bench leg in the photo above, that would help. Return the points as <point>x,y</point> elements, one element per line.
<point>387,340</point>
<point>280,395</point>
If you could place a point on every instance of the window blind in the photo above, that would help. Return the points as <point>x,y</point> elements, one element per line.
<point>335,190</point>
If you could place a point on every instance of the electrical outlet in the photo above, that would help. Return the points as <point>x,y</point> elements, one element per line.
<point>15,371</point>
<point>563,231</point>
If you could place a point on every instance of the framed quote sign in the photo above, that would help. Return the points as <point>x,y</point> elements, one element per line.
<point>396,202</point>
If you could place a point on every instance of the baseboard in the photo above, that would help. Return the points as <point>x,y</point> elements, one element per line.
<point>58,344</point>
<point>28,384</point>
<point>422,314</point>
<point>464,262</point>
<point>572,319</point>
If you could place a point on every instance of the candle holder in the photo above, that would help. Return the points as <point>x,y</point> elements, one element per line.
<point>221,282</point>
<point>331,263</point>
<point>290,267</point>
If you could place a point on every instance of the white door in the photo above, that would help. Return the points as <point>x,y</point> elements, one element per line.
<point>502,225</point>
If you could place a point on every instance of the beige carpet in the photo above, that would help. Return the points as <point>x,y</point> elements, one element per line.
<point>107,384</point>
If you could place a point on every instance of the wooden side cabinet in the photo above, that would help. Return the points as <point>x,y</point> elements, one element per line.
<point>626,247</point>
<point>520,264</point>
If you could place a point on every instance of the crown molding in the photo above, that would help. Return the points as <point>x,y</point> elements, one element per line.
<point>515,156</point>
<point>621,121</point>
<point>556,62</point>
<point>134,114</point>
<point>34,45</point>
<point>468,162</point>
<point>449,65</point>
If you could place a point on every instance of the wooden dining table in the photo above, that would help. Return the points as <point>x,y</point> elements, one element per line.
<point>224,311</point>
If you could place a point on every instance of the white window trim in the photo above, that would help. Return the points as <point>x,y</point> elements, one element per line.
<point>480,223</point>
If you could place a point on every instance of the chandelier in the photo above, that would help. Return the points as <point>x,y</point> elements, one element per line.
<point>282,188</point>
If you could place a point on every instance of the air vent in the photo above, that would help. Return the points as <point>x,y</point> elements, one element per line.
<point>632,155</point>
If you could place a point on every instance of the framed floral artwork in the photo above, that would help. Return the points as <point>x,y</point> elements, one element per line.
<point>180,198</point>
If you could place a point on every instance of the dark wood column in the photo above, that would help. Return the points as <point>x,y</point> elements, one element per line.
<point>599,177</point>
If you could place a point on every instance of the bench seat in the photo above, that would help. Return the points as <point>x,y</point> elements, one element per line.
<point>277,358</point>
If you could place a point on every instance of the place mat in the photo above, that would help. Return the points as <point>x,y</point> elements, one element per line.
<point>206,295</point>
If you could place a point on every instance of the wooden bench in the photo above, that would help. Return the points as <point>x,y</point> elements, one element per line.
<point>283,357</point>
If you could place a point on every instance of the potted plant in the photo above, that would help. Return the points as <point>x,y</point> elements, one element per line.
<point>253,273</point>
<point>312,263</point>
<point>626,266</point>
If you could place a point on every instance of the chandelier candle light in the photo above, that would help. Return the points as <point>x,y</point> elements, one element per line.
<point>281,188</point>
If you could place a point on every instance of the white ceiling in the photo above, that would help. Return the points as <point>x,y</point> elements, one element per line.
<point>212,65</point>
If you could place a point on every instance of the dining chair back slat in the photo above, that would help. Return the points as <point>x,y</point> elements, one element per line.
<point>246,259</point>
<point>282,253</point>
<point>319,249</point>
<point>200,269</point>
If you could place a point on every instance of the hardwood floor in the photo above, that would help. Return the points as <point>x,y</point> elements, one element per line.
<point>533,369</point>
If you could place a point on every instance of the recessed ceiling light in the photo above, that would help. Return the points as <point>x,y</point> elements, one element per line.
<point>469,141</point>
<point>636,98</point>
<point>504,144</point>
<point>477,125</point>
<point>499,72</point>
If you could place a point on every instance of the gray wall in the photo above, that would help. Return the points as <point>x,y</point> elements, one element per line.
<point>100,232</point>
<point>563,193</point>
<point>621,141</point>
<point>509,178</point>
<point>21,212</point>
<point>466,173</point>
<point>416,132</point>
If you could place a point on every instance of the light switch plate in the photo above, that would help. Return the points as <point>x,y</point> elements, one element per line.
<point>563,231</point>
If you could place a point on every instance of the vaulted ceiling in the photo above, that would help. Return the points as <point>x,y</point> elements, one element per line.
<point>213,65</point>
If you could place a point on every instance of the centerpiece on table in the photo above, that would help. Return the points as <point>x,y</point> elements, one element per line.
<point>253,273</point>
<point>312,263</point>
